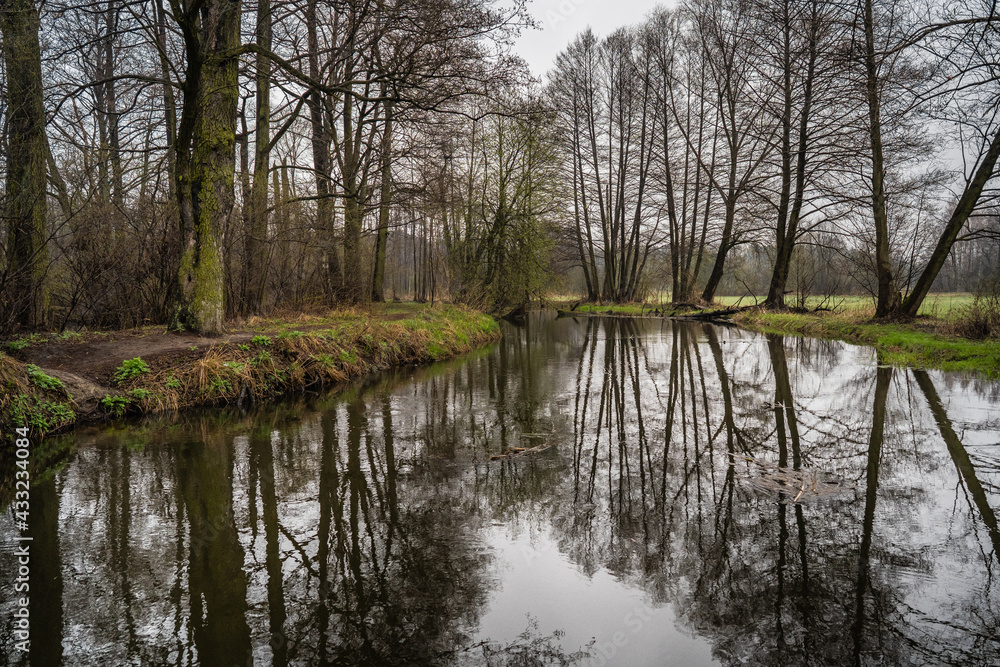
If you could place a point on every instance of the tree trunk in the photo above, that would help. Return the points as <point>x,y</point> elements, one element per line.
<point>325,220</point>
<point>888,300</point>
<point>783,254</point>
<point>25,205</point>
<point>256,236</point>
<point>211,96</point>
<point>385,197</point>
<point>724,246</point>
<point>963,209</point>
<point>786,237</point>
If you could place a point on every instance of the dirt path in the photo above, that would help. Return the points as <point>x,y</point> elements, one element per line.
<point>94,358</point>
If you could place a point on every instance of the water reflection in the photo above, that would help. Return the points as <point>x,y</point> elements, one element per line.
<point>690,495</point>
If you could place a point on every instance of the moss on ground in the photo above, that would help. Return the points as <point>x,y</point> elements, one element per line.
<point>308,353</point>
<point>924,343</point>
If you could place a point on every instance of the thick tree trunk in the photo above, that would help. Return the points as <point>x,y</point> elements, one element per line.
<point>725,244</point>
<point>26,303</point>
<point>212,97</point>
<point>783,253</point>
<point>963,209</point>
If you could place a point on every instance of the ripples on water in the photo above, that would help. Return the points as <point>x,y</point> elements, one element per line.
<point>695,495</point>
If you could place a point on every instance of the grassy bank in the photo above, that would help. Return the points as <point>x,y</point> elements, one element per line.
<point>924,343</point>
<point>256,361</point>
<point>940,305</point>
<point>935,340</point>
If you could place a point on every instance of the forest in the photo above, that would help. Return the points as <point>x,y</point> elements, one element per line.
<point>191,162</point>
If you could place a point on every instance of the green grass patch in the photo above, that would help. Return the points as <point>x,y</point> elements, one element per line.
<point>915,344</point>
<point>945,305</point>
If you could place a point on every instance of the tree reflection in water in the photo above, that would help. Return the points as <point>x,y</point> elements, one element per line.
<point>357,528</point>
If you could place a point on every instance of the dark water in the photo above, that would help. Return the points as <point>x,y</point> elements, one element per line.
<point>655,523</point>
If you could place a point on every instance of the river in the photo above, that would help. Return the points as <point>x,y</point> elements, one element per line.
<point>688,495</point>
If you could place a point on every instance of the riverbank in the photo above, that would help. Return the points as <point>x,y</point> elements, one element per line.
<point>52,382</point>
<point>931,341</point>
<point>922,343</point>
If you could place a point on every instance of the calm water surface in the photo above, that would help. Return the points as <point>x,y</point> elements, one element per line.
<point>691,495</point>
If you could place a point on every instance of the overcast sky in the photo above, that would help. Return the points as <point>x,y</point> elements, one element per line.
<point>561,20</point>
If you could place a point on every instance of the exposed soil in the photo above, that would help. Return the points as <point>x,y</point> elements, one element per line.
<point>86,366</point>
<point>96,358</point>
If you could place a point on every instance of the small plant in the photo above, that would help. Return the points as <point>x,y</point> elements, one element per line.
<point>219,385</point>
<point>263,341</point>
<point>325,360</point>
<point>244,347</point>
<point>43,381</point>
<point>234,366</point>
<point>193,348</point>
<point>140,394</point>
<point>68,335</point>
<point>21,343</point>
<point>263,358</point>
<point>289,335</point>
<point>130,368</point>
<point>172,382</point>
<point>348,357</point>
<point>60,414</point>
<point>114,405</point>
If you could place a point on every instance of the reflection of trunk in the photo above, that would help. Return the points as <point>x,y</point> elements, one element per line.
<point>119,523</point>
<point>45,579</point>
<point>260,442</point>
<point>217,582</point>
<point>784,406</point>
<point>731,433</point>
<point>582,401</point>
<point>392,497</point>
<point>882,381</point>
<point>358,491</point>
<point>328,514</point>
<point>727,397</point>
<point>966,471</point>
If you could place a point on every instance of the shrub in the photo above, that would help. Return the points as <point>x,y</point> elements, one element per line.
<point>981,318</point>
